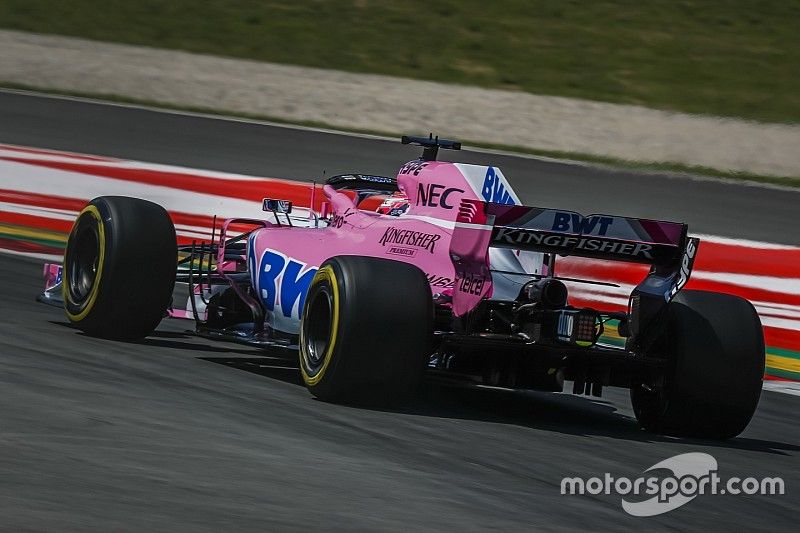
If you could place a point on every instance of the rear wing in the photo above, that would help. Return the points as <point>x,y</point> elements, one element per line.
<point>663,245</point>
<point>615,238</point>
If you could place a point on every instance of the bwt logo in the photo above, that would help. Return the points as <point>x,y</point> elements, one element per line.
<point>494,190</point>
<point>433,195</point>
<point>284,281</point>
<point>574,223</point>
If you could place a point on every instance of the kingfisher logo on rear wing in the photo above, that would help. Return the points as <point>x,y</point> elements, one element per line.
<point>529,239</point>
<point>600,236</point>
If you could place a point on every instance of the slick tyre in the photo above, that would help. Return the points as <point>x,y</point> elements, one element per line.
<point>715,349</point>
<point>119,268</point>
<point>366,330</point>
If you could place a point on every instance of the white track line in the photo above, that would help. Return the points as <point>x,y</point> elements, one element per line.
<point>785,387</point>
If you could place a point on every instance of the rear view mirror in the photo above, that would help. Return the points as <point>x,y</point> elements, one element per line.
<point>277,206</point>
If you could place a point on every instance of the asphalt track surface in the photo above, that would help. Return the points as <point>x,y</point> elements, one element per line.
<point>180,433</point>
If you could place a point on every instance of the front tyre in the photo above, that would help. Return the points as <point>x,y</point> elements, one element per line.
<point>714,345</point>
<point>119,267</point>
<point>366,330</point>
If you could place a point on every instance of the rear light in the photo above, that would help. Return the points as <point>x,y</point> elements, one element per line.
<point>585,328</point>
<point>578,326</point>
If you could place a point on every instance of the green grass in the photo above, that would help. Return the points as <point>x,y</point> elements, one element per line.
<point>610,162</point>
<point>724,57</point>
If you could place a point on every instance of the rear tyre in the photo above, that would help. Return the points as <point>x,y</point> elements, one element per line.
<point>119,267</point>
<point>366,330</point>
<point>715,347</point>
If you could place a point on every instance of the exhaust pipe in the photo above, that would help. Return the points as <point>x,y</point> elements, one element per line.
<point>547,292</point>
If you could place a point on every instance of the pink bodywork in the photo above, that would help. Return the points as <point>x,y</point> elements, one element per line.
<point>52,275</point>
<point>421,236</point>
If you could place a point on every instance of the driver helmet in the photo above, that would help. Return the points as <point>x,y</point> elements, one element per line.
<point>394,205</point>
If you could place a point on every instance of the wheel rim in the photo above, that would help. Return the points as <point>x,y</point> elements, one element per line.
<point>317,329</point>
<point>82,261</point>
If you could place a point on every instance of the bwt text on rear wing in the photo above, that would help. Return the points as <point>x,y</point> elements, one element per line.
<point>481,225</point>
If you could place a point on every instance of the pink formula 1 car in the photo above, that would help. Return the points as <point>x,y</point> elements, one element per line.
<point>452,276</point>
